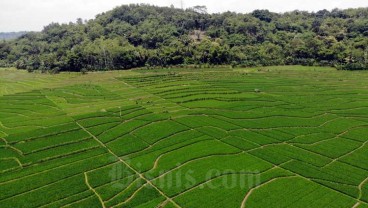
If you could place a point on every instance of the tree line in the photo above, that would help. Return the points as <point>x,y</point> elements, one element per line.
<point>10,35</point>
<point>134,35</point>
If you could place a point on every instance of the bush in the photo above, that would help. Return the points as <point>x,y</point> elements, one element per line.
<point>84,71</point>
<point>353,66</point>
<point>55,70</point>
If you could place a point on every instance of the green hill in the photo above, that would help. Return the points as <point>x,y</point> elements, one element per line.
<point>10,35</point>
<point>132,36</point>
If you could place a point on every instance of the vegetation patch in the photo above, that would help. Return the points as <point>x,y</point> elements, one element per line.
<point>185,138</point>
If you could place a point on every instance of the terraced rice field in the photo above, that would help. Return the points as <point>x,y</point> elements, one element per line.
<point>266,137</point>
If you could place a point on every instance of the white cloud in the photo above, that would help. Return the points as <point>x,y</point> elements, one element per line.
<point>17,15</point>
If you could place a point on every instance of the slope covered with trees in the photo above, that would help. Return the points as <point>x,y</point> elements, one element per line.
<point>10,35</point>
<point>141,35</point>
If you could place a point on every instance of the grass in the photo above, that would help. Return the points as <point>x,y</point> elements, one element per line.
<point>297,192</point>
<point>287,136</point>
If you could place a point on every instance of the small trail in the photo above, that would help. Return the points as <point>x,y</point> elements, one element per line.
<point>66,198</point>
<point>131,197</point>
<point>127,188</point>
<point>356,205</point>
<point>155,143</point>
<point>128,165</point>
<point>47,170</point>
<point>360,187</point>
<point>172,151</point>
<point>347,154</point>
<point>217,177</point>
<point>194,160</point>
<point>7,145</point>
<point>257,187</point>
<point>133,130</point>
<point>337,136</point>
<point>15,149</point>
<point>311,180</point>
<point>94,191</point>
<point>75,202</point>
<point>13,158</point>
<point>157,160</point>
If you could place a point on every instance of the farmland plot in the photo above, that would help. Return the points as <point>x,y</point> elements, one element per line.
<point>186,138</point>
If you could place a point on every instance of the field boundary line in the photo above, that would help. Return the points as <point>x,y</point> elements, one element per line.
<point>40,187</point>
<point>163,204</point>
<point>66,198</point>
<point>220,140</point>
<point>136,128</point>
<point>153,145</point>
<point>259,186</point>
<point>175,149</point>
<point>309,179</point>
<point>360,187</point>
<point>347,154</point>
<point>46,148</point>
<point>47,170</point>
<point>80,200</point>
<point>15,149</point>
<point>99,168</point>
<point>356,205</point>
<point>140,175</point>
<point>194,160</point>
<point>154,122</point>
<point>52,183</point>
<point>131,196</point>
<point>334,182</point>
<point>163,138</point>
<point>7,145</point>
<point>267,117</point>
<point>116,195</point>
<point>329,158</point>
<point>6,134</point>
<point>151,94</point>
<point>13,158</point>
<point>285,127</point>
<point>94,191</point>
<point>112,182</point>
<point>108,129</point>
<point>47,159</point>
<point>217,177</point>
<point>337,136</point>
<point>36,138</point>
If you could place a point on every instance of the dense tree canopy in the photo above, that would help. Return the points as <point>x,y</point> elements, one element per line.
<point>142,35</point>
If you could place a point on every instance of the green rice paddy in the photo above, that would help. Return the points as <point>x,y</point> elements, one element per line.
<point>265,137</point>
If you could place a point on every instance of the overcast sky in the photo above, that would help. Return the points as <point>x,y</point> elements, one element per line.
<point>32,15</point>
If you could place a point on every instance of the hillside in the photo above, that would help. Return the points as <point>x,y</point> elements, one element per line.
<point>10,35</point>
<point>132,36</point>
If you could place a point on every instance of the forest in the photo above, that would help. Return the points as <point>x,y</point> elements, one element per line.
<point>10,35</point>
<point>132,36</point>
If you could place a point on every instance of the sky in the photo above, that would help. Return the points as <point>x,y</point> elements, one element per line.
<point>33,15</point>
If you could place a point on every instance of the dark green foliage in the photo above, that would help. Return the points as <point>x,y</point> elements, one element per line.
<point>133,36</point>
